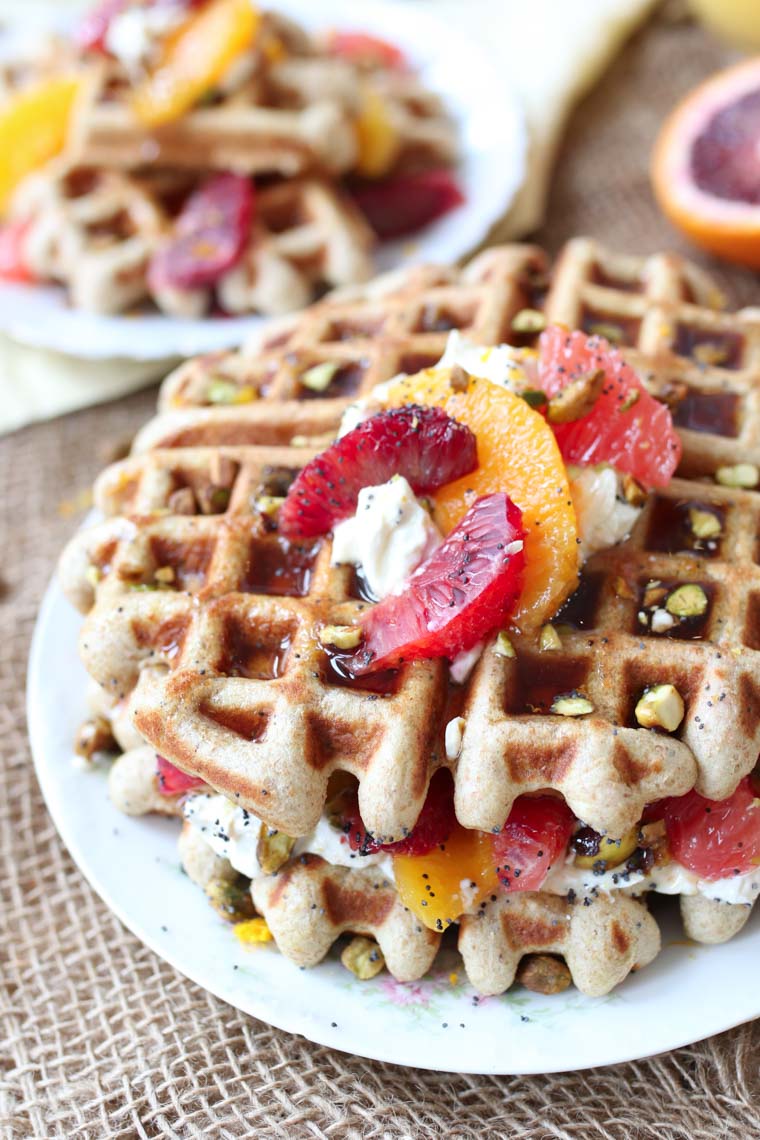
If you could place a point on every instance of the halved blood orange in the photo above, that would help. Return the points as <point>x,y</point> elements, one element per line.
<point>706,164</point>
<point>517,454</point>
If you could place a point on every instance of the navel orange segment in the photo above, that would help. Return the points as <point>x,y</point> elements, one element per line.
<point>34,125</point>
<point>195,58</point>
<point>517,454</point>
<point>453,878</point>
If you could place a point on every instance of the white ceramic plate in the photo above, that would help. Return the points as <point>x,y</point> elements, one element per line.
<point>492,168</point>
<point>688,993</point>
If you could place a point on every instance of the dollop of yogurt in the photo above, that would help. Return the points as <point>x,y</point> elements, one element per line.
<point>604,517</point>
<point>233,832</point>
<point>388,537</point>
<point>134,34</point>
<point>502,364</point>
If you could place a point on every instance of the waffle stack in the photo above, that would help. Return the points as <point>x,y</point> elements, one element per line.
<point>306,123</point>
<point>203,622</point>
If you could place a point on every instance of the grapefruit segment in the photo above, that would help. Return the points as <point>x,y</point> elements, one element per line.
<point>706,164</point>
<point>518,455</point>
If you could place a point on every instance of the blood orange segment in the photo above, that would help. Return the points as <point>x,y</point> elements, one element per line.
<point>517,454</point>
<point>533,839</point>
<point>13,265</point>
<point>423,444</point>
<point>173,781</point>
<point>367,51</point>
<point>626,427</point>
<point>715,838</point>
<point>210,235</point>
<point>465,590</point>
<point>452,879</point>
<point>400,205</point>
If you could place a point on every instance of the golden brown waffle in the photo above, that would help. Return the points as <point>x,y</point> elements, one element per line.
<point>662,310</point>
<point>95,231</point>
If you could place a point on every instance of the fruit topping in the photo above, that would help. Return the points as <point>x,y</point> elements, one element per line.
<point>365,50</point>
<point>13,265</point>
<point>455,877</point>
<point>706,166</point>
<point>405,203</point>
<point>433,827</point>
<point>91,34</point>
<point>625,426</point>
<point>424,445</point>
<point>34,125</point>
<point>714,838</point>
<point>517,453</point>
<point>532,840</point>
<point>195,58</point>
<point>465,590</point>
<point>376,135</point>
<point>210,234</point>
<point>173,781</point>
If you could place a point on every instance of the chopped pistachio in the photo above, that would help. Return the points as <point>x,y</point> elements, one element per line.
<point>740,475</point>
<point>529,321</point>
<point>182,501</point>
<point>534,397</point>
<point>253,931</point>
<point>269,504</point>
<point>213,500</point>
<point>612,851</point>
<point>660,707</point>
<point>164,574</point>
<point>550,639</point>
<point>687,601</point>
<point>363,957</point>
<point>631,399</point>
<point>273,849</point>
<point>612,333</point>
<point>231,898</point>
<point>577,399</point>
<point>654,593</point>
<point>93,575</point>
<point>503,646</point>
<point>459,380</point>
<point>341,636</point>
<point>622,589</point>
<point>221,391</point>
<point>544,974</point>
<point>571,705</point>
<point>704,524</point>
<point>319,377</point>
<point>633,492</point>
<point>94,736</point>
<point>710,354</point>
<point>453,737</point>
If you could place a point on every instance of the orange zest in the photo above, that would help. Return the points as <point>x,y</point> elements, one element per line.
<point>34,126</point>
<point>451,879</point>
<point>517,454</point>
<point>194,59</point>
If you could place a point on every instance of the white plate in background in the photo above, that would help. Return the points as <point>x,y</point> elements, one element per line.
<point>492,140</point>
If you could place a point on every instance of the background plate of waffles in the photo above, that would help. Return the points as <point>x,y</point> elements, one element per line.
<point>689,992</point>
<point>311,241</point>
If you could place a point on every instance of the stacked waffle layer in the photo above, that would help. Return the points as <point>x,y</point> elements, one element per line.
<point>203,622</point>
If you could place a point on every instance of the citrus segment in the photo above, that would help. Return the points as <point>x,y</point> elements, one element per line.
<point>195,58</point>
<point>705,165</point>
<point>453,878</point>
<point>517,454</point>
<point>33,129</point>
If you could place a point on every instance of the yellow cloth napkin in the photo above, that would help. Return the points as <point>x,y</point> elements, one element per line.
<point>554,51</point>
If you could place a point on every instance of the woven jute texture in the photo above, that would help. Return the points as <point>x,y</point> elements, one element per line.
<point>98,1037</point>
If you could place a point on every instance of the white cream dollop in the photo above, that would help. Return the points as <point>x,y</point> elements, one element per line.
<point>604,517</point>
<point>388,537</point>
<point>132,35</point>
<point>502,364</point>
<point>233,832</point>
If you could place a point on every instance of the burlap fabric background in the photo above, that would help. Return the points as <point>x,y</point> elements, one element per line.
<point>98,1037</point>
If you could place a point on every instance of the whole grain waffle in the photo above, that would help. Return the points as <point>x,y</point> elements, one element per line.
<point>288,112</point>
<point>309,903</point>
<point>95,232</point>
<point>663,311</point>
